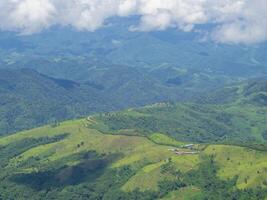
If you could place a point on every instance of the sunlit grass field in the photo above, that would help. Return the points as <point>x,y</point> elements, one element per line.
<point>147,155</point>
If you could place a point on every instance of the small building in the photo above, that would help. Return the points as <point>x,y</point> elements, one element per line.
<point>188,146</point>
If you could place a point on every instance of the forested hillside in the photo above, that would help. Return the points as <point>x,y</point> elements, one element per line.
<point>236,114</point>
<point>30,99</point>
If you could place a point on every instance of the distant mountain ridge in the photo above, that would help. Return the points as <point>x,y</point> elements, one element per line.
<point>252,91</point>
<point>235,114</point>
<point>29,98</point>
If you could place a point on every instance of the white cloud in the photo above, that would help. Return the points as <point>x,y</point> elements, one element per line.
<point>235,21</point>
<point>26,16</point>
<point>246,24</point>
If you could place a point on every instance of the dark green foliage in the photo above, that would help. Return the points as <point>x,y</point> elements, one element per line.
<point>89,178</point>
<point>214,188</point>
<point>255,86</point>
<point>89,169</point>
<point>169,168</point>
<point>249,91</point>
<point>168,186</point>
<point>17,148</point>
<point>264,135</point>
<point>30,99</point>
<point>205,178</point>
<point>188,122</point>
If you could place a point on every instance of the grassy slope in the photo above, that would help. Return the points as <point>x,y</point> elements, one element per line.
<point>141,153</point>
<point>184,194</point>
<point>160,138</point>
<point>249,164</point>
<point>93,140</point>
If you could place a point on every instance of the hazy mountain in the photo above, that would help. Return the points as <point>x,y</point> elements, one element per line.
<point>133,100</point>
<point>29,98</point>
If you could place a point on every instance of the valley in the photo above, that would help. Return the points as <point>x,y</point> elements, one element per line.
<point>164,101</point>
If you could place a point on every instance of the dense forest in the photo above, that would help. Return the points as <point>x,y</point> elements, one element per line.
<point>235,114</point>
<point>30,99</point>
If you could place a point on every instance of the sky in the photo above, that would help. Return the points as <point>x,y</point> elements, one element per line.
<point>233,21</point>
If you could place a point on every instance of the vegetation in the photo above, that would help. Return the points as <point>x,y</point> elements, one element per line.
<point>241,124</point>
<point>72,161</point>
<point>139,153</point>
<point>160,138</point>
<point>30,99</point>
<point>85,73</point>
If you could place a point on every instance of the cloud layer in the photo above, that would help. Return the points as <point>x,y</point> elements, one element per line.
<point>234,21</point>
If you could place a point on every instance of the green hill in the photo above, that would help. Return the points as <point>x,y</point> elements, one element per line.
<point>252,91</point>
<point>30,99</point>
<point>204,150</point>
<point>70,160</point>
<point>242,124</point>
<point>232,115</point>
